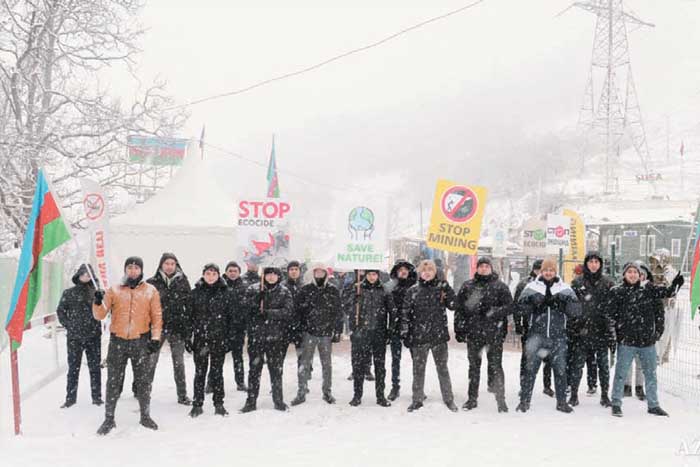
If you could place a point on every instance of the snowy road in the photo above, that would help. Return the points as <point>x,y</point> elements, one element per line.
<point>318,434</point>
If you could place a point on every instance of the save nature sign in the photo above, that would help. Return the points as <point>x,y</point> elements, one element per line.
<point>361,235</point>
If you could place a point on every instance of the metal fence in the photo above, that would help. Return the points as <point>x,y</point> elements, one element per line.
<point>680,376</point>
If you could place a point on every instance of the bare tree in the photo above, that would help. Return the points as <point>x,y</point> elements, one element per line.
<point>53,111</point>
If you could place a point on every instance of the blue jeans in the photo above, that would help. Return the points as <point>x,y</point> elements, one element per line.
<point>537,348</point>
<point>647,356</point>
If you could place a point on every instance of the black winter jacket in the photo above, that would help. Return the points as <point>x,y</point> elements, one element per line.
<point>483,306</point>
<point>319,308</point>
<point>175,300</point>
<point>637,313</point>
<point>212,313</point>
<point>75,309</point>
<point>240,311</point>
<point>295,331</point>
<point>270,313</point>
<point>592,291</point>
<point>375,308</point>
<point>423,314</point>
<point>398,288</point>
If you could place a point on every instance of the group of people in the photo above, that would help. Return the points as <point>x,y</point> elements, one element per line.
<point>561,325</point>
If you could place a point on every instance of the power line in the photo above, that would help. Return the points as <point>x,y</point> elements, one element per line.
<point>335,187</point>
<point>329,60</point>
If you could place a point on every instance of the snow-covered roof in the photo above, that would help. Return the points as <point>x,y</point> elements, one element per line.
<point>638,212</point>
<point>192,199</point>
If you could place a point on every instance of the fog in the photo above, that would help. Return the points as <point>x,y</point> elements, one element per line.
<point>490,96</point>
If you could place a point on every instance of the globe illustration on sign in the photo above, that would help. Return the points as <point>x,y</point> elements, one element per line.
<point>361,223</point>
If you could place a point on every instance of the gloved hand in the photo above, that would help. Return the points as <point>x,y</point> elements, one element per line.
<point>678,282</point>
<point>188,345</point>
<point>336,338</point>
<point>657,335</point>
<point>153,346</point>
<point>99,295</point>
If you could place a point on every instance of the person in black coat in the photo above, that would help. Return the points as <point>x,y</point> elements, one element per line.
<point>369,308</point>
<point>174,290</point>
<point>521,327</point>
<point>548,303</point>
<point>212,314</point>
<point>347,291</point>
<point>84,334</point>
<point>294,283</point>
<point>593,333</point>
<point>270,314</point>
<point>403,277</point>
<point>423,329</point>
<point>481,320</point>
<point>318,305</point>
<point>633,308</point>
<point>239,323</point>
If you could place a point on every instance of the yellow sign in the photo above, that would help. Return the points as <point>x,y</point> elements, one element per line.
<point>577,249</point>
<point>455,222</point>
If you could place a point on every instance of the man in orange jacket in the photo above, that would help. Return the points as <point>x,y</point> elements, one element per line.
<point>135,333</point>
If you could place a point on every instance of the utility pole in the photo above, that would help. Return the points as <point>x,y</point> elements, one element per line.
<point>617,114</point>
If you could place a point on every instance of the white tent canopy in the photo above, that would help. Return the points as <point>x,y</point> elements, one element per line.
<point>191,217</point>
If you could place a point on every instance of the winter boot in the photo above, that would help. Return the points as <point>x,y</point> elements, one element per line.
<point>564,407</point>
<point>605,400</point>
<point>107,426</point>
<point>98,401</point>
<point>355,401</point>
<point>382,402</point>
<point>573,400</point>
<point>502,406</point>
<point>147,422</point>
<point>248,407</point>
<point>220,410</point>
<point>196,411</point>
<point>328,398</point>
<point>300,399</point>
<point>628,391</point>
<point>469,405</point>
<point>523,407</point>
<point>415,406</point>
<point>184,400</point>
<point>658,411</point>
<point>451,406</point>
<point>639,392</point>
<point>281,406</point>
<point>394,393</point>
<point>547,391</point>
<point>616,411</point>
<point>68,404</point>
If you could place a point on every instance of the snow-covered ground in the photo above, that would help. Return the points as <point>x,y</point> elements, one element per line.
<point>318,434</point>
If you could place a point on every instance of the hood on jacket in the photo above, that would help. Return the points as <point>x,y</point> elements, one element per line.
<point>166,256</point>
<point>82,270</point>
<point>589,256</point>
<point>309,275</point>
<point>412,275</point>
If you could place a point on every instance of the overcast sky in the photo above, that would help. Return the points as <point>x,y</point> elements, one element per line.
<point>444,94</point>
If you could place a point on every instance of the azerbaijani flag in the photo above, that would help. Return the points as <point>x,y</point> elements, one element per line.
<point>273,186</point>
<point>46,231</point>
<point>694,276</point>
